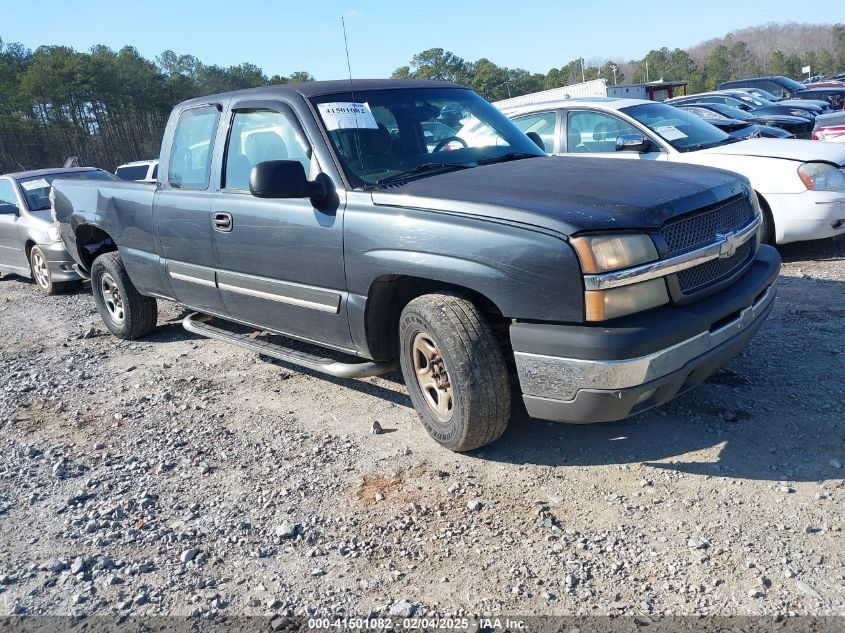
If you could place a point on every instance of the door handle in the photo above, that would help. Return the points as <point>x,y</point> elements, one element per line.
<point>222,222</point>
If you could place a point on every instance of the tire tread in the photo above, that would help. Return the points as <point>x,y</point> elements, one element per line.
<point>473,345</point>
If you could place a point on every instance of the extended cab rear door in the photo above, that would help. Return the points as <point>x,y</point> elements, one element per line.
<point>182,207</point>
<point>280,261</point>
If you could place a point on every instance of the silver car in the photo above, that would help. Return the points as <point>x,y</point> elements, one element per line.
<point>29,243</point>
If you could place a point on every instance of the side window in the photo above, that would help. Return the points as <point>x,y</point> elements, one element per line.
<point>190,156</point>
<point>590,132</point>
<point>8,201</point>
<point>772,86</point>
<point>258,136</point>
<point>543,124</point>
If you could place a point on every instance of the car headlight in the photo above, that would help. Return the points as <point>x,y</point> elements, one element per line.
<point>822,177</point>
<point>602,305</point>
<point>53,233</point>
<point>604,253</point>
<point>607,253</point>
<point>801,113</point>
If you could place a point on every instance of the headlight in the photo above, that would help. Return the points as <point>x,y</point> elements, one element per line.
<point>602,305</point>
<point>606,253</point>
<point>603,253</point>
<point>801,113</point>
<point>821,177</point>
<point>53,233</point>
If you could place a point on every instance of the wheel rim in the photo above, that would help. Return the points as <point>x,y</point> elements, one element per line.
<point>432,376</point>
<point>40,270</point>
<point>111,298</point>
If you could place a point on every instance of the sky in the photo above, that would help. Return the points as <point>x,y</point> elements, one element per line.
<point>283,36</point>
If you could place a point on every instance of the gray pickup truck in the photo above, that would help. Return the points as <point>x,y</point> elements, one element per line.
<point>410,222</point>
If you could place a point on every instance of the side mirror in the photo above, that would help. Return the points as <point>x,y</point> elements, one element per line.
<point>632,143</point>
<point>284,179</point>
<point>537,140</point>
<point>8,209</point>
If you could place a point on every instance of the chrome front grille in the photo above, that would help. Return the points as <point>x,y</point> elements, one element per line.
<point>702,229</point>
<point>698,230</point>
<point>696,277</point>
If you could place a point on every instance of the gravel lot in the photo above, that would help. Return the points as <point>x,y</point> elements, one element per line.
<point>182,476</point>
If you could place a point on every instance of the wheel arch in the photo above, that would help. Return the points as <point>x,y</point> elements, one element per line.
<point>91,242</point>
<point>389,294</point>
<point>768,217</point>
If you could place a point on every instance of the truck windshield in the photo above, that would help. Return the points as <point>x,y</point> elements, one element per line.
<point>385,136</point>
<point>682,130</point>
<point>36,189</point>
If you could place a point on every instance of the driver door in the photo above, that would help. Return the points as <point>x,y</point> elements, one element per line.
<point>280,261</point>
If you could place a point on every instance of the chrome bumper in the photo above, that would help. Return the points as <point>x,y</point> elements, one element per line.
<point>562,378</point>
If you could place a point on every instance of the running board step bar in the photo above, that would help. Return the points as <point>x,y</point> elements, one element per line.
<point>198,324</point>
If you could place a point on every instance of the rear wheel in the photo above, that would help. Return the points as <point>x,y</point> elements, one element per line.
<point>41,274</point>
<point>454,370</point>
<point>126,312</point>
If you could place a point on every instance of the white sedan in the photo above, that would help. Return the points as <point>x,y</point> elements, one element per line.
<point>800,184</point>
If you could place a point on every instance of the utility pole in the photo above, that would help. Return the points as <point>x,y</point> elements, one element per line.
<point>583,78</point>
<point>614,74</point>
<point>646,71</point>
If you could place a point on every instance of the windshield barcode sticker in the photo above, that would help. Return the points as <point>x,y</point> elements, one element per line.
<point>38,183</point>
<point>347,116</point>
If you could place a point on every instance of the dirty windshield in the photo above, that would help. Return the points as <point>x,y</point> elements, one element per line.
<point>384,136</point>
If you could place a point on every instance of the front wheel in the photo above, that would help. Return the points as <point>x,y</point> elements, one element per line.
<point>454,370</point>
<point>126,312</point>
<point>41,274</point>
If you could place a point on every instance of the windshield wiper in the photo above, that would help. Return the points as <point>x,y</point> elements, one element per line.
<point>421,169</point>
<point>504,158</point>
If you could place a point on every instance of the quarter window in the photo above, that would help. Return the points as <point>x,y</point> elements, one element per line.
<point>543,124</point>
<point>190,157</point>
<point>258,136</point>
<point>591,132</point>
<point>8,201</point>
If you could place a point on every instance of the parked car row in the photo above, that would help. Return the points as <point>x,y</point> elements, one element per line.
<point>411,224</point>
<point>785,88</point>
<point>800,184</point>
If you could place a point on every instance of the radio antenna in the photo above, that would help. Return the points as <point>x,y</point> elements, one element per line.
<point>352,92</point>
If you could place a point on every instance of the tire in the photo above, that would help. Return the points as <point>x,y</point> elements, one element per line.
<point>41,274</point>
<point>126,312</point>
<point>768,231</point>
<point>454,370</point>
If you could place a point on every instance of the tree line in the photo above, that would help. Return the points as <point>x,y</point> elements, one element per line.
<point>769,49</point>
<point>109,107</point>
<point>106,107</point>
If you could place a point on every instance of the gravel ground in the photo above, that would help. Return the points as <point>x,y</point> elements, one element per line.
<point>182,476</point>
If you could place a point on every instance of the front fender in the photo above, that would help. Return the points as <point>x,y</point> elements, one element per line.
<point>527,273</point>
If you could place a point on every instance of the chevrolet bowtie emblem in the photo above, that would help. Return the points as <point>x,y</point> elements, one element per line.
<point>727,245</point>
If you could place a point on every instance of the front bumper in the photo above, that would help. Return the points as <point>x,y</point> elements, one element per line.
<point>809,215</point>
<point>60,262</point>
<point>584,374</point>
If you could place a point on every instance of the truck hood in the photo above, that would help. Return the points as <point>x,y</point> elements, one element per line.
<point>568,194</point>
<point>788,148</point>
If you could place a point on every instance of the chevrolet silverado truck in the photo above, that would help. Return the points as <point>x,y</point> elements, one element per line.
<point>323,212</point>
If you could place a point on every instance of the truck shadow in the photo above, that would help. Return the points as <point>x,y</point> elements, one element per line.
<point>79,288</point>
<point>774,413</point>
